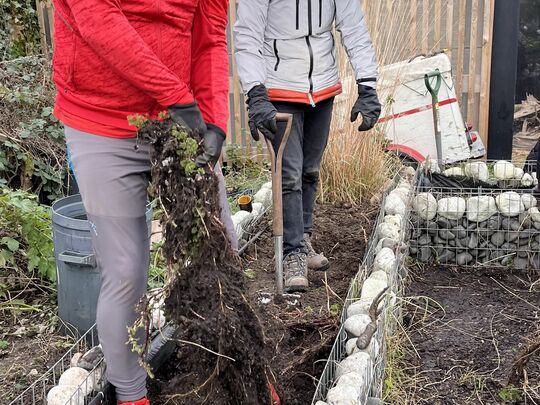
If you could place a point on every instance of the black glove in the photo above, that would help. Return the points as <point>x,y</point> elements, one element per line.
<point>212,145</point>
<point>261,113</point>
<point>368,105</point>
<point>188,116</point>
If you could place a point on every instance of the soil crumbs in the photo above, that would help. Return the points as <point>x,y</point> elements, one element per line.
<point>29,341</point>
<point>299,331</point>
<point>467,328</point>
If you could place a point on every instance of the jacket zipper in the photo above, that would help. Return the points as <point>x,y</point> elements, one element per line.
<point>320,13</point>
<point>276,54</point>
<point>310,94</point>
<point>297,14</point>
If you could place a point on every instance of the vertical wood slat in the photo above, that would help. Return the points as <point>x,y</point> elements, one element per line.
<point>425,26</point>
<point>487,48</point>
<point>473,63</point>
<point>450,27</point>
<point>413,27</point>
<point>462,20</point>
<point>438,21</point>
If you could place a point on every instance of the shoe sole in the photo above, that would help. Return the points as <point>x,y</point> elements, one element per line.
<point>293,289</point>
<point>323,268</point>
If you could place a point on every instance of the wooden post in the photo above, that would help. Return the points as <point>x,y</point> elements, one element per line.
<point>450,27</point>
<point>461,47</point>
<point>413,27</point>
<point>487,47</point>
<point>473,62</point>
<point>438,22</point>
<point>425,26</point>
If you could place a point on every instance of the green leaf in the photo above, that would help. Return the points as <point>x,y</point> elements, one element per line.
<point>12,244</point>
<point>4,344</point>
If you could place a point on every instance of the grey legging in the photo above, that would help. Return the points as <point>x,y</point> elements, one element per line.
<point>113,180</point>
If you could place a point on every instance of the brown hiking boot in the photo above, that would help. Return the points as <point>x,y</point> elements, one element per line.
<point>295,272</point>
<point>315,261</point>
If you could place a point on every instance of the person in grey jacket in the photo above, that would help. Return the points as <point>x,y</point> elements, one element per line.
<point>286,59</point>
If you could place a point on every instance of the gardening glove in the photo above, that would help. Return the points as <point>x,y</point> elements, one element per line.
<point>212,145</point>
<point>368,105</point>
<point>261,113</point>
<point>188,116</point>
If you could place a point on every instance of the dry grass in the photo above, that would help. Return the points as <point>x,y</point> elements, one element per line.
<point>355,166</point>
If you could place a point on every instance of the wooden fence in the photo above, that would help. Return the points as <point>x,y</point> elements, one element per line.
<point>400,30</point>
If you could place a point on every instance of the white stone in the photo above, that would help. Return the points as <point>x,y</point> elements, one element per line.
<point>372,288</point>
<point>534,213</point>
<point>267,185</point>
<point>385,260</point>
<point>263,196</point>
<point>425,206</point>
<point>257,209</point>
<point>503,170</point>
<point>510,204</point>
<point>386,243</point>
<point>74,376</point>
<point>408,171</point>
<point>527,180</point>
<point>357,363</point>
<point>454,171</point>
<point>432,166</point>
<point>451,207</point>
<point>379,275</point>
<point>393,204</point>
<point>402,191</point>
<point>342,395</point>
<point>158,319</point>
<point>360,307</point>
<point>535,178</point>
<point>385,230</point>
<point>356,325</point>
<point>477,170</point>
<point>528,201</point>
<point>75,359</point>
<point>480,208</point>
<point>321,403</point>
<point>518,173</point>
<point>65,395</point>
<point>352,380</point>
<point>394,220</point>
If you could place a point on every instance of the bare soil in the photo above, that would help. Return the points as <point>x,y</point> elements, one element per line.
<point>466,336</point>
<point>298,331</point>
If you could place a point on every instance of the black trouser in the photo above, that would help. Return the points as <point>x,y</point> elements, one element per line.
<point>301,164</point>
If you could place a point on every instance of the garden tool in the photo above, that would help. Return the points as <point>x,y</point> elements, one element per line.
<point>434,91</point>
<point>277,200</point>
<point>364,339</point>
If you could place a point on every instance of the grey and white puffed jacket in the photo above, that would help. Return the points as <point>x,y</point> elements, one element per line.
<point>288,45</point>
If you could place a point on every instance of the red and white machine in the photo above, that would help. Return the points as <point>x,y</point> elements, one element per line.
<point>408,112</point>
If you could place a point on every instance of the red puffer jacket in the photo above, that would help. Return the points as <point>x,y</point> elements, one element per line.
<point>115,58</point>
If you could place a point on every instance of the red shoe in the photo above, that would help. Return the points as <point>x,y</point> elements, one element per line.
<point>142,401</point>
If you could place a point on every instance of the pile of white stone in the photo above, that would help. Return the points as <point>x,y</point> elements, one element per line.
<point>501,171</point>
<point>244,220</point>
<point>500,228</point>
<point>79,380</point>
<point>353,375</point>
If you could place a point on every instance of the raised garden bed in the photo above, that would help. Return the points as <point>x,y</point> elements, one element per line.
<point>300,330</point>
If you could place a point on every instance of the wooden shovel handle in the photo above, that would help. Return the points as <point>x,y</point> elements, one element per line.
<point>276,159</point>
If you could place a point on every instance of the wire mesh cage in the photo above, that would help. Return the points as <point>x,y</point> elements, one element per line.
<point>477,226</point>
<point>84,394</point>
<point>386,322</point>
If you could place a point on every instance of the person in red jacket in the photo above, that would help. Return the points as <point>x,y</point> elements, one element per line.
<point>114,59</point>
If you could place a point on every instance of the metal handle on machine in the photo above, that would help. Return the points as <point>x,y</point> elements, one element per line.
<point>77,258</point>
<point>277,201</point>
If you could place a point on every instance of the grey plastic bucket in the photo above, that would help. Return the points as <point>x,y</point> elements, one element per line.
<point>78,277</point>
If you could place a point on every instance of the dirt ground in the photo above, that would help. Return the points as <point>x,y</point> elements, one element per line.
<point>29,343</point>
<point>299,332</point>
<point>466,328</point>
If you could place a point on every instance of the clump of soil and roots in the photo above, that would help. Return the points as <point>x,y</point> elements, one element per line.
<point>220,340</point>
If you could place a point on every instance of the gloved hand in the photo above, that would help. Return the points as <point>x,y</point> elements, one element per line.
<point>212,145</point>
<point>368,105</point>
<point>261,113</point>
<point>189,116</point>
